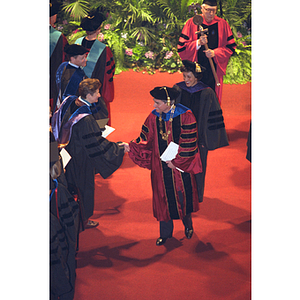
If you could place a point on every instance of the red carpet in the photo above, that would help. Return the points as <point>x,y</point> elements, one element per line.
<point>119,258</point>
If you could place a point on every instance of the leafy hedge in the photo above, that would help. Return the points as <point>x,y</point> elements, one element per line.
<point>143,34</point>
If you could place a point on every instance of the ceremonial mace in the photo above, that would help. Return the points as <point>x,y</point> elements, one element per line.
<point>198,20</point>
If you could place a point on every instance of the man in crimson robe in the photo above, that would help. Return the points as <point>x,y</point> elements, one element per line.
<point>220,41</point>
<point>100,61</point>
<point>173,182</point>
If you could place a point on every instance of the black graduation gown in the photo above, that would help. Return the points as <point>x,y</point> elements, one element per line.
<point>64,219</point>
<point>63,241</point>
<point>204,104</point>
<point>67,75</point>
<point>99,110</point>
<point>104,70</point>
<point>91,154</point>
<point>206,108</point>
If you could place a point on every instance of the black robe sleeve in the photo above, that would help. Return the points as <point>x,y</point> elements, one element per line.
<point>206,108</point>
<point>63,242</point>
<point>107,156</point>
<point>212,127</point>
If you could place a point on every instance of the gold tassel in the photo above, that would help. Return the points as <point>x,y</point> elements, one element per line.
<point>198,68</point>
<point>168,97</point>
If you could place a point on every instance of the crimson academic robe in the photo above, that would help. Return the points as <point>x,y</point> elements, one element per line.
<point>220,39</point>
<point>174,192</point>
<point>100,65</point>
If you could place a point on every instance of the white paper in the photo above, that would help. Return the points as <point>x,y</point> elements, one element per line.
<point>65,157</point>
<point>108,130</point>
<point>170,153</point>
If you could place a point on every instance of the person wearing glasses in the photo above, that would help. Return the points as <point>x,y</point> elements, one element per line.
<point>220,41</point>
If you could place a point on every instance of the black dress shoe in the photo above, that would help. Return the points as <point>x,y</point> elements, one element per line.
<point>189,232</point>
<point>160,241</point>
<point>90,224</point>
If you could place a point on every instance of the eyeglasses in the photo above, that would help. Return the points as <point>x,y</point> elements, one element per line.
<point>210,10</point>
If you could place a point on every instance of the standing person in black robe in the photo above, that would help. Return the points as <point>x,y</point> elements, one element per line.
<point>76,129</point>
<point>100,61</point>
<point>57,44</point>
<point>204,104</point>
<point>64,217</point>
<point>69,74</point>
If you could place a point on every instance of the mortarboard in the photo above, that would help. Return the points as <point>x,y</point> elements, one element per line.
<point>92,22</point>
<point>164,93</point>
<point>74,49</point>
<point>210,2</point>
<point>54,7</point>
<point>193,66</point>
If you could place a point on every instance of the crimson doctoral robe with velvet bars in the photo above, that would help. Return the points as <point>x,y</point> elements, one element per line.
<point>174,192</point>
<point>220,39</point>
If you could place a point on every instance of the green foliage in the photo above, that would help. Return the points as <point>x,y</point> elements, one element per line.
<point>77,9</point>
<point>238,14</point>
<point>143,34</point>
<point>239,65</point>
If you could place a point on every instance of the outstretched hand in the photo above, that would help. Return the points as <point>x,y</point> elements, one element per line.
<point>126,146</point>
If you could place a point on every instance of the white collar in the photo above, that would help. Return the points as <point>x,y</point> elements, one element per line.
<point>84,101</point>
<point>75,66</point>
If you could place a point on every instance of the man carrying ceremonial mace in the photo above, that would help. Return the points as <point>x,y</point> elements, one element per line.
<point>208,40</point>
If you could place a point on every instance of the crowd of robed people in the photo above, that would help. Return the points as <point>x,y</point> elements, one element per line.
<point>186,117</point>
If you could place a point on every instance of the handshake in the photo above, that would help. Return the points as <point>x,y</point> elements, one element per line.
<point>126,146</point>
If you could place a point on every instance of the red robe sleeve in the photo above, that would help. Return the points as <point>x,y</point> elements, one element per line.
<point>187,45</point>
<point>141,148</point>
<point>108,83</point>
<point>188,156</point>
<point>65,43</point>
<point>225,47</point>
<point>223,52</point>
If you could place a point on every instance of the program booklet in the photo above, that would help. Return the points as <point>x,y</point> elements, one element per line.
<point>65,157</point>
<point>170,153</point>
<point>108,130</point>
